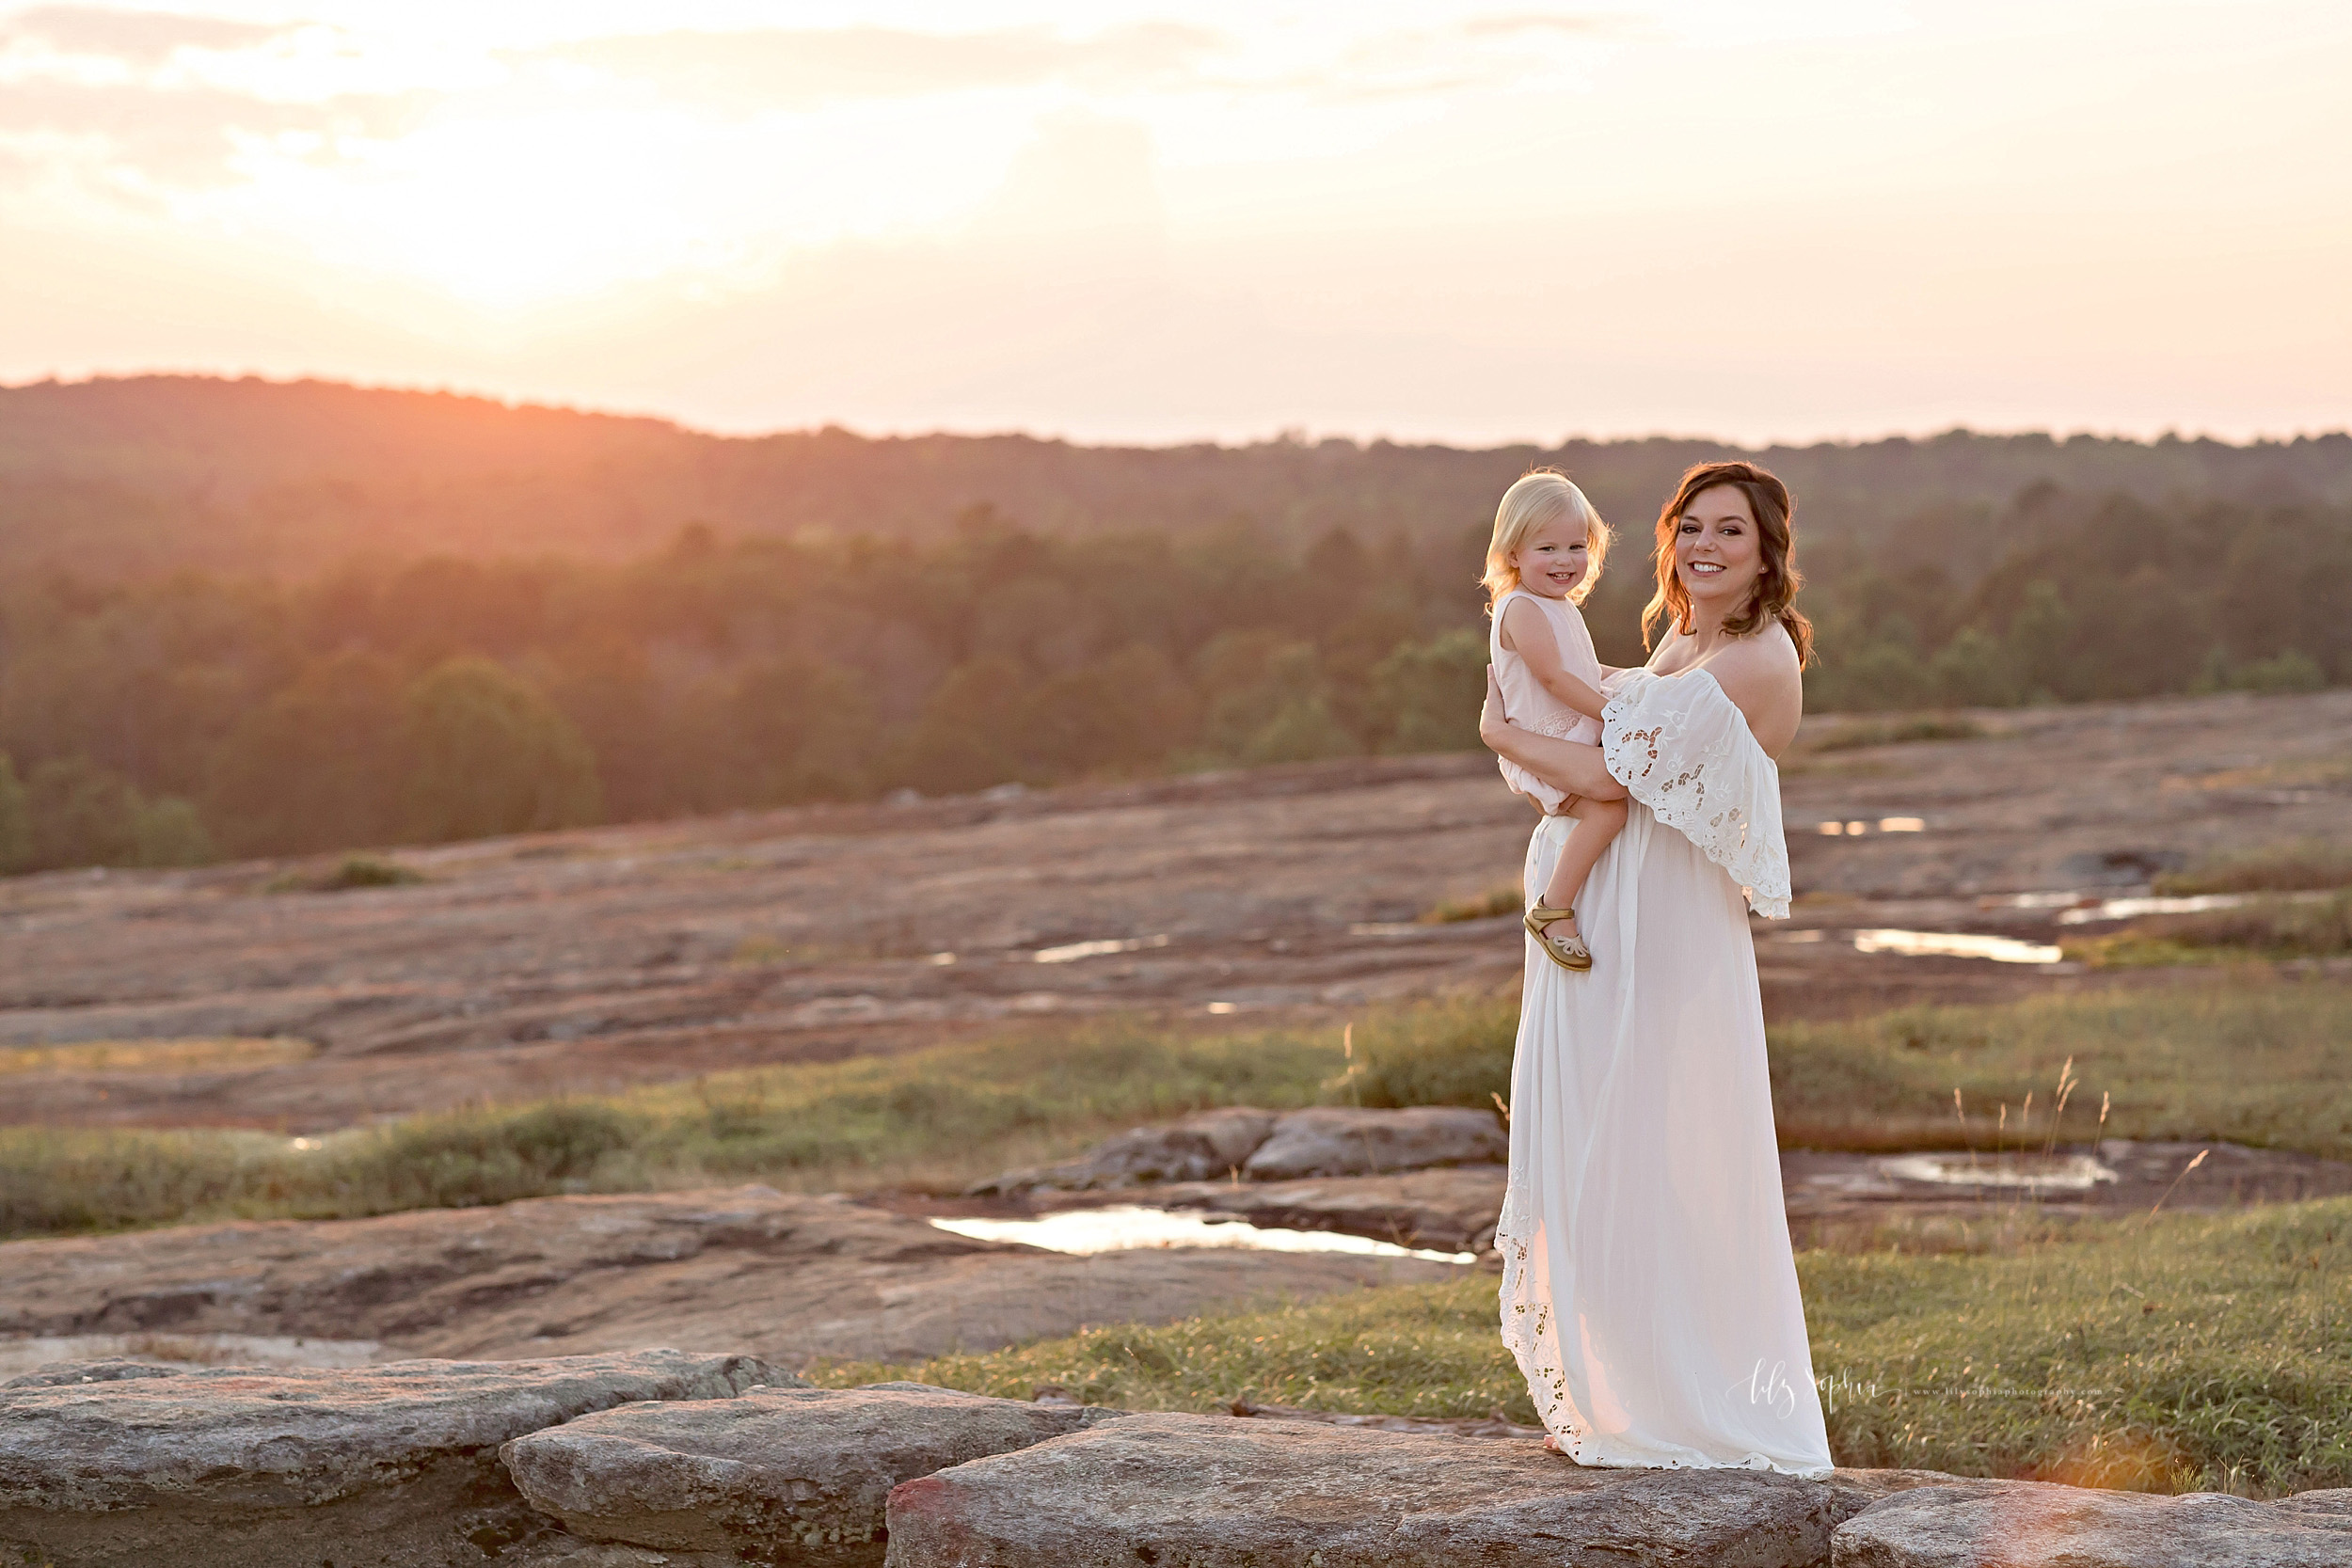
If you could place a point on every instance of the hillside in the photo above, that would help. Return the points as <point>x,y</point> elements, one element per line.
<point>128,476</point>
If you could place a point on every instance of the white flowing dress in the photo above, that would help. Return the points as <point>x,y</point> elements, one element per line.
<point>1649,1293</point>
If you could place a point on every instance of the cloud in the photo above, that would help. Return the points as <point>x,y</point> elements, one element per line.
<point>798,68</point>
<point>1547,21</point>
<point>142,39</point>
<point>181,136</point>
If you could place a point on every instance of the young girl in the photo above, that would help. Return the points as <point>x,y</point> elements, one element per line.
<point>1545,555</point>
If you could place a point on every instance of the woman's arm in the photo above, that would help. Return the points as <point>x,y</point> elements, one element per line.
<point>1527,632</point>
<point>1566,765</point>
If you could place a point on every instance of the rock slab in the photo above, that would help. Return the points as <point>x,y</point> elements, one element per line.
<point>2037,1525</point>
<point>785,1476</point>
<point>394,1465</point>
<point>1452,1209</point>
<point>1339,1141</point>
<point>784,1276</point>
<point>1211,1492</point>
<point>1200,1147</point>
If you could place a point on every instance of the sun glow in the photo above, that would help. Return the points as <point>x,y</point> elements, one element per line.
<point>1466,223</point>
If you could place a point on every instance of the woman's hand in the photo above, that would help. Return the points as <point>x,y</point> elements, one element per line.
<point>1492,725</point>
<point>1569,768</point>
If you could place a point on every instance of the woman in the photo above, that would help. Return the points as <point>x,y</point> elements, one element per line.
<point>1649,1293</point>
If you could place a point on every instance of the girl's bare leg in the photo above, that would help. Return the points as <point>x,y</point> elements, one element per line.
<point>1599,823</point>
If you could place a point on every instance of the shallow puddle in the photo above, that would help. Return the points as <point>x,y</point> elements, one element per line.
<point>1072,951</point>
<point>1128,1225</point>
<point>2066,1173</point>
<point>1955,944</point>
<point>2128,909</point>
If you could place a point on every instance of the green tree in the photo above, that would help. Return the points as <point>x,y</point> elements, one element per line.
<point>317,766</point>
<point>2292,671</point>
<point>16,821</point>
<point>1120,713</point>
<point>800,733</point>
<point>168,832</point>
<point>1973,671</point>
<point>963,741</point>
<point>488,754</point>
<point>2041,636</point>
<point>1432,693</point>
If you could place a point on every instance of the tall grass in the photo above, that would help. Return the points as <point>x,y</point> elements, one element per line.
<point>944,1116</point>
<point>2305,927</point>
<point>2188,1352</point>
<point>2308,865</point>
<point>2247,1057</point>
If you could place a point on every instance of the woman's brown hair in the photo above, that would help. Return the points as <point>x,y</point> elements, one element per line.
<point>1777,579</point>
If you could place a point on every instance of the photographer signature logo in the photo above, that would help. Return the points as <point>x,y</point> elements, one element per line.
<point>1770,1388</point>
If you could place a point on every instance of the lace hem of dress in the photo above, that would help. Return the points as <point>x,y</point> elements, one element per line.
<point>1526,1326</point>
<point>1682,748</point>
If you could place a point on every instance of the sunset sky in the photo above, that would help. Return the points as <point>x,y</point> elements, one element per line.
<point>1133,220</point>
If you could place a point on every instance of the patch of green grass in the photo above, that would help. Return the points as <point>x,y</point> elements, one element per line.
<point>2309,866</point>
<point>2197,1352</point>
<point>200,1054</point>
<point>1443,1054</point>
<point>1857,735</point>
<point>2281,927</point>
<point>1410,1349</point>
<point>353,871</point>
<point>943,1117</point>
<point>2191,1353</point>
<point>1485,906</point>
<point>2245,1056</point>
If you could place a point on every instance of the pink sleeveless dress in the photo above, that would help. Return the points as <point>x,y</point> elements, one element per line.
<point>1525,701</point>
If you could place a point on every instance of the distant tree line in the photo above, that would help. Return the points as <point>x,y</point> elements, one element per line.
<point>124,478</point>
<point>179,718</point>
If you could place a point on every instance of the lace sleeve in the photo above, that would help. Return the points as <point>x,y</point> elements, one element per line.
<point>1682,748</point>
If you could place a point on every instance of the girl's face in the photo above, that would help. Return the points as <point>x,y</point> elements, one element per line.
<point>1717,554</point>
<point>1554,559</point>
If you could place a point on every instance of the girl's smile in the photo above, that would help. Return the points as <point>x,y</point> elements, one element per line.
<point>1554,559</point>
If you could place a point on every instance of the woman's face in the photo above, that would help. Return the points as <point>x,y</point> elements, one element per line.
<point>1718,555</point>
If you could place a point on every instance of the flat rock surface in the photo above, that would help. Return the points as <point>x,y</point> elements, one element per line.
<point>788,1278</point>
<point>1193,1149</point>
<point>1338,1140</point>
<point>105,1463</point>
<point>1212,1492</point>
<point>585,961</point>
<point>799,1475</point>
<point>1452,1209</point>
<point>2123,1176</point>
<point>2029,1525</point>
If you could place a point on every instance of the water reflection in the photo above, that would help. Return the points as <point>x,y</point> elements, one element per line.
<point>1127,1226</point>
<point>1071,952</point>
<point>1956,944</point>
<point>2127,909</point>
<point>2072,1173</point>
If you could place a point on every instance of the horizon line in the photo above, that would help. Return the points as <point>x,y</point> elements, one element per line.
<point>1288,434</point>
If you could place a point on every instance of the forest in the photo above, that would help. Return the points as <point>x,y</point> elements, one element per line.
<point>114,479</point>
<point>177,717</point>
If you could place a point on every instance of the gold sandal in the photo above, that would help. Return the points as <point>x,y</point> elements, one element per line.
<point>1569,953</point>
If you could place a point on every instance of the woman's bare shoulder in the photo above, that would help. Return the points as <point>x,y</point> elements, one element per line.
<point>1761,675</point>
<point>1769,653</point>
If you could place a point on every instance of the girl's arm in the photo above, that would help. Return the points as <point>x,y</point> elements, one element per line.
<point>1571,769</point>
<point>1527,631</point>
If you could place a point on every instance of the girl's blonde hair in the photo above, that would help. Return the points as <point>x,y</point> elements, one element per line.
<point>1541,496</point>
